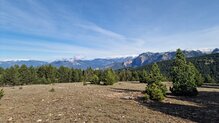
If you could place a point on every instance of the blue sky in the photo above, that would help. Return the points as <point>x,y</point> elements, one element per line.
<point>55,29</point>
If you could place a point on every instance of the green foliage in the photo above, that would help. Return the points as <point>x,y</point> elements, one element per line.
<point>76,75</point>
<point>206,65</point>
<point>209,79</point>
<point>155,75</point>
<point>48,74</point>
<point>146,96</point>
<point>156,91</point>
<point>24,74</point>
<point>109,77</point>
<point>199,80</point>
<point>135,76</point>
<point>1,93</point>
<point>183,75</point>
<point>143,77</point>
<point>42,81</point>
<point>95,79</point>
<point>11,76</point>
<point>64,74</point>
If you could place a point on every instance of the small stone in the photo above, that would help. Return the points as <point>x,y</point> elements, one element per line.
<point>39,120</point>
<point>10,119</point>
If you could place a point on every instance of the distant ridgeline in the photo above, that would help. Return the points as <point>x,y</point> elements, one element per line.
<point>208,65</point>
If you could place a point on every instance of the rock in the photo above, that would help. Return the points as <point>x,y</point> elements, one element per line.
<point>10,119</point>
<point>128,97</point>
<point>39,120</point>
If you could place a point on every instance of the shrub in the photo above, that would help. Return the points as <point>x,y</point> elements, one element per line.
<point>1,93</point>
<point>146,96</point>
<point>109,78</point>
<point>95,79</point>
<point>156,91</point>
<point>52,90</point>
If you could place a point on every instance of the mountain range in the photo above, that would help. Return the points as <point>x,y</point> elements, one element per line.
<point>114,63</point>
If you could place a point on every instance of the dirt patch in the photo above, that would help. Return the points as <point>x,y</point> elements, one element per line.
<point>73,102</point>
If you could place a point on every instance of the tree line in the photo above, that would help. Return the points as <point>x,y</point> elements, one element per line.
<point>47,74</point>
<point>23,75</point>
<point>184,75</point>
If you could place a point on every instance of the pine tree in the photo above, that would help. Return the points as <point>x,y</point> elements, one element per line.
<point>33,75</point>
<point>64,74</point>
<point>11,76</point>
<point>155,75</point>
<point>143,76</point>
<point>109,77</point>
<point>155,89</point>
<point>135,76</point>
<point>199,80</point>
<point>1,74</point>
<point>209,79</point>
<point>183,77</point>
<point>76,75</point>
<point>24,75</point>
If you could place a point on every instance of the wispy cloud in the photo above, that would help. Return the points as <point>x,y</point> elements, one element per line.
<point>38,20</point>
<point>56,29</point>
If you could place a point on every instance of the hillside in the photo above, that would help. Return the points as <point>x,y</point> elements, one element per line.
<point>207,65</point>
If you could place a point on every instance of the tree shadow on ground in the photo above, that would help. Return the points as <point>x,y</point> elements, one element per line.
<point>206,108</point>
<point>124,90</point>
<point>210,85</point>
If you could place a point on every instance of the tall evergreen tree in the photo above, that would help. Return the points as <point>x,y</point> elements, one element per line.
<point>11,76</point>
<point>33,75</point>
<point>199,80</point>
<point>155,89</point>
<point>183,77</point>
<point>135,76</point>
<point>143,76</point>
<point>24,74</point>
<point>64,74</point>
<point>155,75</point>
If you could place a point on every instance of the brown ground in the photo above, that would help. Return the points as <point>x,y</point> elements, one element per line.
<point>121,102</point>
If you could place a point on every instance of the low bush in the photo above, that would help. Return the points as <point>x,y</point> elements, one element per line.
<point>146,96</point>
<point>95,80</point>
<point>1,93</point>
<point>52,90</point>
<point>156,91</point>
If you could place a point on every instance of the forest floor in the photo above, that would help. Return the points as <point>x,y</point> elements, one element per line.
<point>122,102</point>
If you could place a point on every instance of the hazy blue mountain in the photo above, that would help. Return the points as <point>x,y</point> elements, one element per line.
<point>114,63</point>
<point>150,57</point>
<point>35,63</point>
<point>95,63</point>
<point>216,50</point>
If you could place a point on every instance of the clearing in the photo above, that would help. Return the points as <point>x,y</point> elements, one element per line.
<point>122,102</point>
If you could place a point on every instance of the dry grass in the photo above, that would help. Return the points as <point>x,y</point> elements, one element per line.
<point>92,103</point>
